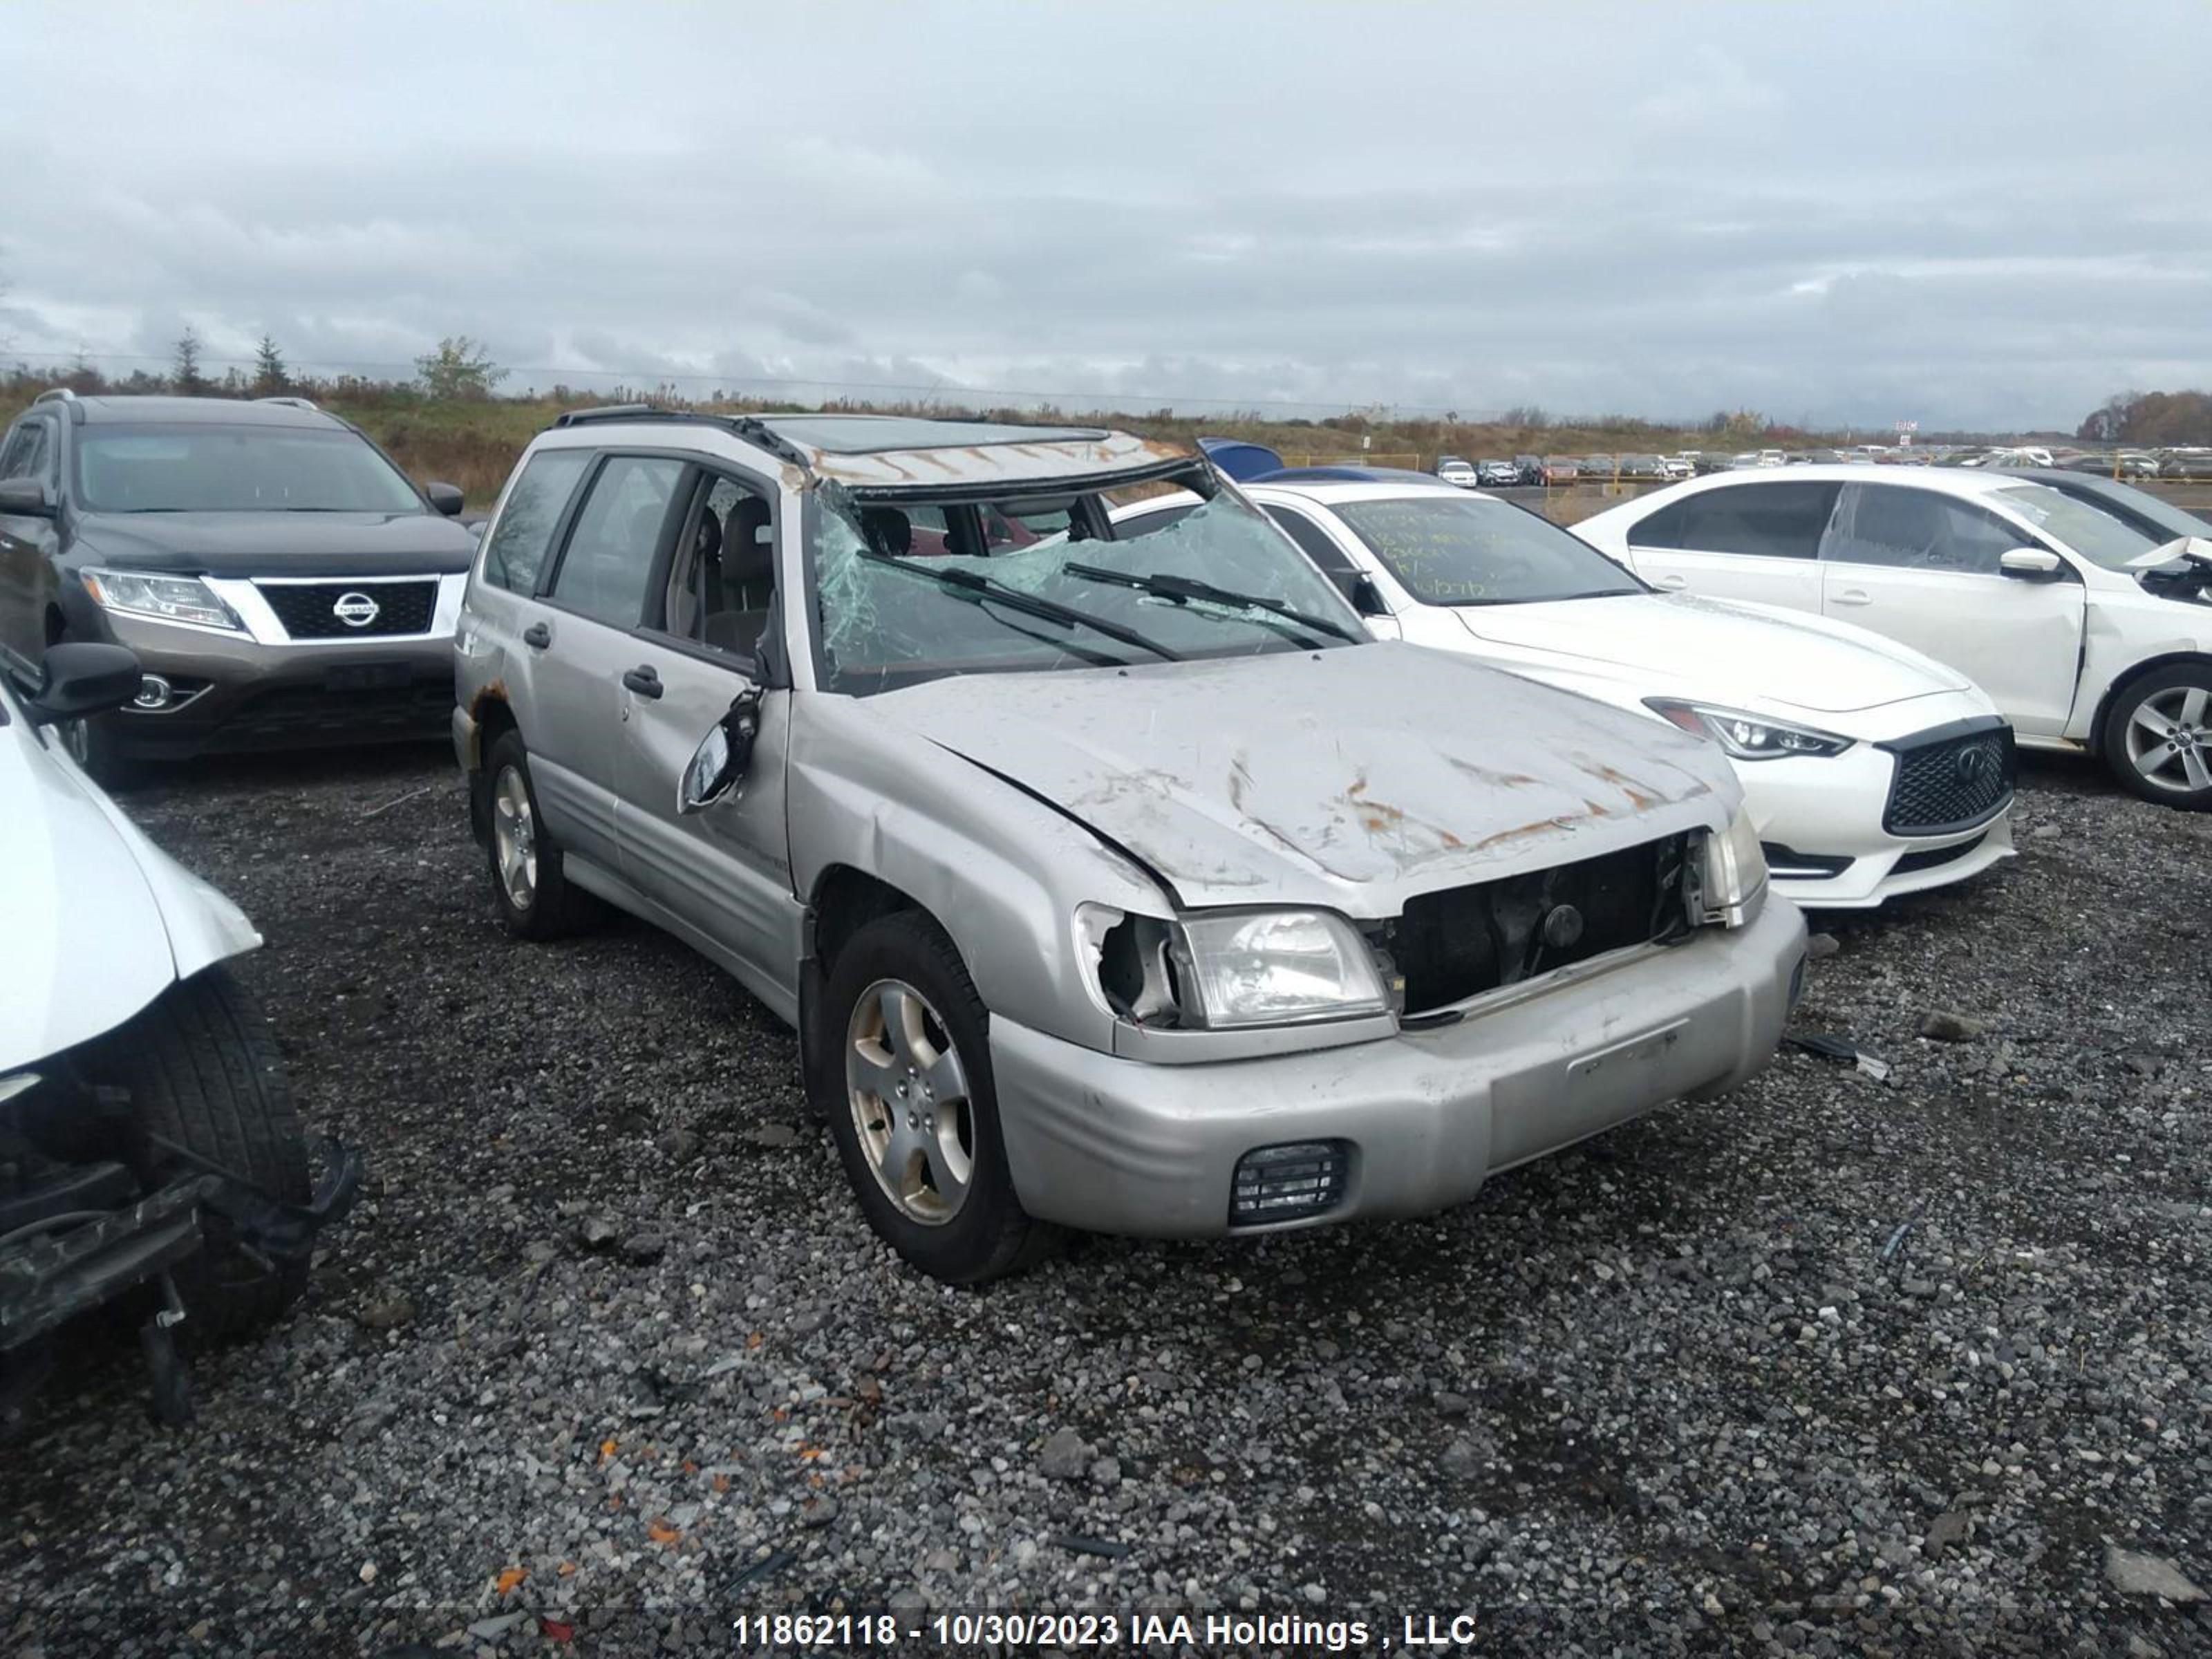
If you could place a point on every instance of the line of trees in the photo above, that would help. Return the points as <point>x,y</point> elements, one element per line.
<point>2151,418</point>
<point>461,370</point>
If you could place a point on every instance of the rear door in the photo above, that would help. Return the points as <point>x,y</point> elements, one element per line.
<point>1921,566</point>
<point>712,635</point>
<point>1757,540</point>
<point>586,659</point>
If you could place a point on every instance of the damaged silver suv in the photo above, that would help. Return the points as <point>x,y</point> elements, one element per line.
<point>1118,884</point>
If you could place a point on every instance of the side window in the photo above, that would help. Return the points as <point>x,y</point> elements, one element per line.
<point>723,576</point>
<point>1876,524</point>
<point>1763,520</point>
<point>1332,560</point>
<point>1663,529</point>
<point>515,554</point>
<point>27,454</point>
<point>604,569</point>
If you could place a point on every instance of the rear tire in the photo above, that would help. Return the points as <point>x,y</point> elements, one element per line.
<point>930,1172</point>
<point>2158,736</point>
<point>203,1071</point>
<point>528,882</point>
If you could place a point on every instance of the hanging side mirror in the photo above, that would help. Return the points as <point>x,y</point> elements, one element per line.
<point>718,764</point>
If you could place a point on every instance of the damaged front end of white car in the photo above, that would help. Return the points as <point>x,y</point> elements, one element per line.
<point>150,1158</point>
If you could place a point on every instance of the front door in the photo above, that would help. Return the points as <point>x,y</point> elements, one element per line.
<point>1921,566</point>
<point>584,670</point>
<point>28,546</point>
<point>721,874</point>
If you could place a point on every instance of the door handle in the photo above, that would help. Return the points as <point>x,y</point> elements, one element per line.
<point>644,680</point>
<point>1677,582</point>
<point>1854,596</point>
<point>537,635</point>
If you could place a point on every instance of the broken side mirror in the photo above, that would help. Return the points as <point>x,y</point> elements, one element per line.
<point>718,764</point>
<point>2030,564</point>
<point>84,678</point>
<point>1367,598</point>
<point>26,498</point>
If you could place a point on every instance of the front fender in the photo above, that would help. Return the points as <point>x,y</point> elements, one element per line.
<point>1001,871</point>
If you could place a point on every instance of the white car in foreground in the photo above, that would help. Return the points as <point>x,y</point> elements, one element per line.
<point>2089,631</point>
<point>1869,771</point>
<point>149,1150</point>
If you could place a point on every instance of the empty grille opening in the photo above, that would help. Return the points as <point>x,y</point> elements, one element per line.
<point>1950,783</point>
<point>348,611</point>
<point>1466,940</point>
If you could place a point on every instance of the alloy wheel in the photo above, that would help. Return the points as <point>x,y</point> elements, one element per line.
<point>514,838</point>
<point>2169,741</point>
<point>909,1098</point>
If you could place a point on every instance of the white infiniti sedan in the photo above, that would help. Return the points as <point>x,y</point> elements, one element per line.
<point>1870,770</point>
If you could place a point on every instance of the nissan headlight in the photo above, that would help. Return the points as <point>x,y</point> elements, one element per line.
<point>165,598</point>
<point>1746,737</point>
<point>1735,872</point>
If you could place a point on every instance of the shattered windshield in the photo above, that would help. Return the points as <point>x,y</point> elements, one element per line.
<point>910,592</point>
<point>2103,537</point>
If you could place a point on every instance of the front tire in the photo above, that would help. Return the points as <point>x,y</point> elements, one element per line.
<point>2158,736</point>
<point>529,882</point>
<point>905,1082</point>
<point>203,1070</point>
<point>96,746</point>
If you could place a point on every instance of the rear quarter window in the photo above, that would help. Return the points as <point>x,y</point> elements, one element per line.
<point>514,553</point>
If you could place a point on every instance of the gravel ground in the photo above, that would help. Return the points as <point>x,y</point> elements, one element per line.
<point>1832,1366</point>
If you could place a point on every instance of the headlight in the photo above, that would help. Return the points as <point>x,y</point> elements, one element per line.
<point>1746,736</point>
<point>1232,970</point>
<point>1735,872</point>
<point>1275,967</point>
<point>167,598</point>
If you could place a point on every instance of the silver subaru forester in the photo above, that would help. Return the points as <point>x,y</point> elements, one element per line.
<point>1117,884</point>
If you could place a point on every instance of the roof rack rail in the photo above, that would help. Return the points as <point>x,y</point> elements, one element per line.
<point>55,394</point>
<point>290,402</point>
<point>750,427</point>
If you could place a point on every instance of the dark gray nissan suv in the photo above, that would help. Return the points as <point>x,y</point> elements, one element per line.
<point>283,582</point>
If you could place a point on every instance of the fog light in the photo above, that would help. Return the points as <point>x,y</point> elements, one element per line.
<point>1284,1183</point>
<point>153,692</point>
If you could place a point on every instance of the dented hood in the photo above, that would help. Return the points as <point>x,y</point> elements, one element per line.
<point>1349,778</point>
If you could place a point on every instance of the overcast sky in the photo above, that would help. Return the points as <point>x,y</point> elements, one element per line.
<point>1989,215</point>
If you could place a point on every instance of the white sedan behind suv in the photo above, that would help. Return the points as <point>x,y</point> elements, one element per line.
<point>2089,632</point>
<point>1869,771</point>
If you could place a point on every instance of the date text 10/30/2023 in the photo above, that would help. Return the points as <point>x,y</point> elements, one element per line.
<point>1232,1631</point>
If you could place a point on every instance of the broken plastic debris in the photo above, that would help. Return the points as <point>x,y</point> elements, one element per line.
<point>1837,1049</point>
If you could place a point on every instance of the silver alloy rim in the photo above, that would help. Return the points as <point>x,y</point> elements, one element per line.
<point>2169,744</point>
<point>910,1105</point>
<point>514,839</point>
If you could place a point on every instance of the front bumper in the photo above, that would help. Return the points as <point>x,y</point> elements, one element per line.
<point>1117,1146</point>
<point>236,692</point>
<point>1820,821</point>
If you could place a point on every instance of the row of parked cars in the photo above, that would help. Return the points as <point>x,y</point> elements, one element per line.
<point>1133,847</point>
<point>1563,469</point>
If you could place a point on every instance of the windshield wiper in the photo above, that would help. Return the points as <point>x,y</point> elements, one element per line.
<point>980,588</point>
<point>1185,588</point>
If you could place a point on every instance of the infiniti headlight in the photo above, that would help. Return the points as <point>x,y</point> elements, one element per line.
<point>1735,873</point>
<point>166,598</point>
<point>1746,737</point>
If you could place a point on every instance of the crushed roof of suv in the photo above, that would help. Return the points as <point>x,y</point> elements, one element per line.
<point>881,434</point>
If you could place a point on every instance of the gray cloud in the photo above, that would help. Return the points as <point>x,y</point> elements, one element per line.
<point>1963,215</point>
